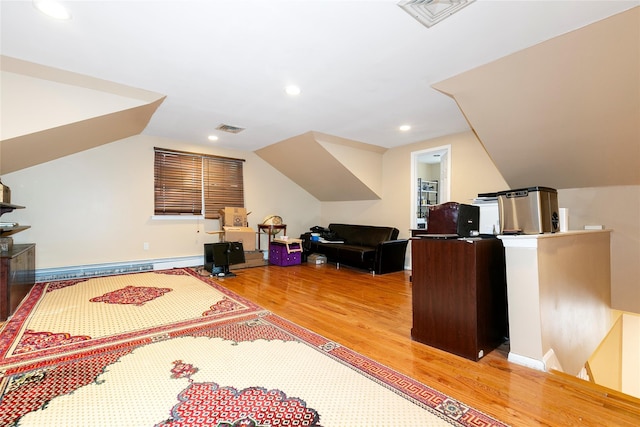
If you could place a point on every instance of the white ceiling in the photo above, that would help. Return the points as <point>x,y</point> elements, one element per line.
<point>364,67</point>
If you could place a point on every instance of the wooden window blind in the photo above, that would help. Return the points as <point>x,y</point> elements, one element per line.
<point>185,182</point>
<point>223,185</point>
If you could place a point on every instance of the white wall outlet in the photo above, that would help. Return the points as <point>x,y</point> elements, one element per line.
<point>145,246</point>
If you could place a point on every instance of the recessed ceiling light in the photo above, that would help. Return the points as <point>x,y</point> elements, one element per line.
<point>52,9</point>
<point>405,128</point>
<point>212,138</point>
<point>292,90</point>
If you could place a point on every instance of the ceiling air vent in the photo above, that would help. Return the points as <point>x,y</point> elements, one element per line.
<point>430,12</point>
<point>229,128</point>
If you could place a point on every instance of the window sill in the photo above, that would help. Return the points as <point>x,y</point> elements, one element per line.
<point>177,217</point>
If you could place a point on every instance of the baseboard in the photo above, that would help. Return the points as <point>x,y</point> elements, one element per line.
<point>109,269</point>
<point>526,361</point>
<point>551,361</point>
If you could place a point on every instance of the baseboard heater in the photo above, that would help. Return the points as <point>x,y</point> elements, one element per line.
<point>110,269</point>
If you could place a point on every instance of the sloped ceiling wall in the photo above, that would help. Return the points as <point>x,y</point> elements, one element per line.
<point>329,168</point>
<point>564,113</point>
<point>49,113</point>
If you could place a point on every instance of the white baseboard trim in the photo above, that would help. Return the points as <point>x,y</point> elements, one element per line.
<point>526,361</point>
<point>165,264</point>
<point>109,269</point>
<point>551,361</point>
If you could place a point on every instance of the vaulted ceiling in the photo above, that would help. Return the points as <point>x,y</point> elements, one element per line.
<point>519,73</point>
<point>564,113</point>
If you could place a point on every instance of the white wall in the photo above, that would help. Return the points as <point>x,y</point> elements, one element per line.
<point>96,206</point>
<point>472,172</point>
<point>617,209</point>
<point>558,289</point>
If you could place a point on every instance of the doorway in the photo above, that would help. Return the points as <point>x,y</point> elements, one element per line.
<point>430,181</point>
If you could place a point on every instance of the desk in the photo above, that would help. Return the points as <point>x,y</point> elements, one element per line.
<point>271,228</point>
<point>459,295</point>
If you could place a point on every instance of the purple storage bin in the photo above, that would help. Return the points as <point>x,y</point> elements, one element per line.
<point>279,255</point>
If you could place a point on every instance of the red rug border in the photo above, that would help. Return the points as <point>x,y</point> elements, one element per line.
<point>390,378</point>
<point>12,329</point>
<point>417,392</point>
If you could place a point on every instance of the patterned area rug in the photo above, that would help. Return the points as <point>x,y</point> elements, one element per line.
<point>67,316</point>
<point>231,365</point>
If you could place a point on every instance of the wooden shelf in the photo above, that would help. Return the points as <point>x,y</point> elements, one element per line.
<point>8,207</point>
<point>8,231</point>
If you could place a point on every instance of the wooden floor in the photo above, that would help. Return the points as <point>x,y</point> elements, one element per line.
<point>372,315</point>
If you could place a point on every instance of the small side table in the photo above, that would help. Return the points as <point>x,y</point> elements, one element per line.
<point>271,228</point>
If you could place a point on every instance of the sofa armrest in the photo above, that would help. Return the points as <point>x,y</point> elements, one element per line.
<point>390,256</point>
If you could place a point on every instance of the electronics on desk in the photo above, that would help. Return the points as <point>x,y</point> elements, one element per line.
<point>489,215</point>
<point>438,236</point>
<point>453,218</point>
<point>532,210</point>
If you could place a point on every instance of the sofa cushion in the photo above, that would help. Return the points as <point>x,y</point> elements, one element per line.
<point>362,235</point>
<point>357,255</point>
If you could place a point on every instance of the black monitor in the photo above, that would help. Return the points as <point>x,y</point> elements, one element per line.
<point>222,255</point>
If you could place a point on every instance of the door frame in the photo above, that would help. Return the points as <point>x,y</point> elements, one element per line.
<point>444,191</point>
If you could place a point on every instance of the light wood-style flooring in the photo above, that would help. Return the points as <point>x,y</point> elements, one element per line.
<point>372,315</point>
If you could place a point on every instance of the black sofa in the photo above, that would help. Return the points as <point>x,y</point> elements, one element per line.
<point>373,248</point>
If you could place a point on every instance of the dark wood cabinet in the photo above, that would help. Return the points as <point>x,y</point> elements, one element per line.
<point>459,295</point>
<point>17,276</point>
<point>17,265</point>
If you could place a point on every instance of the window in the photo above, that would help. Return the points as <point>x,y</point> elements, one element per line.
<point>187,182</point>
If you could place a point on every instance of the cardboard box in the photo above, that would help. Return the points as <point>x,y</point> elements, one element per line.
<point>246,235</point>
<point>234,217</point>
<point>316,259</point>
<point>252,259</point>
<point>5,194</point>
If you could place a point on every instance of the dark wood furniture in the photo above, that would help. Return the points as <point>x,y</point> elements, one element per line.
<point>17,267</point>
<point>17,276</point>
<point>272,230</point>
<point>374,248</point>
<point>459,295</point>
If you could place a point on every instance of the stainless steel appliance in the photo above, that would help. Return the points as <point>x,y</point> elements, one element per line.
<point>532,210</point>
